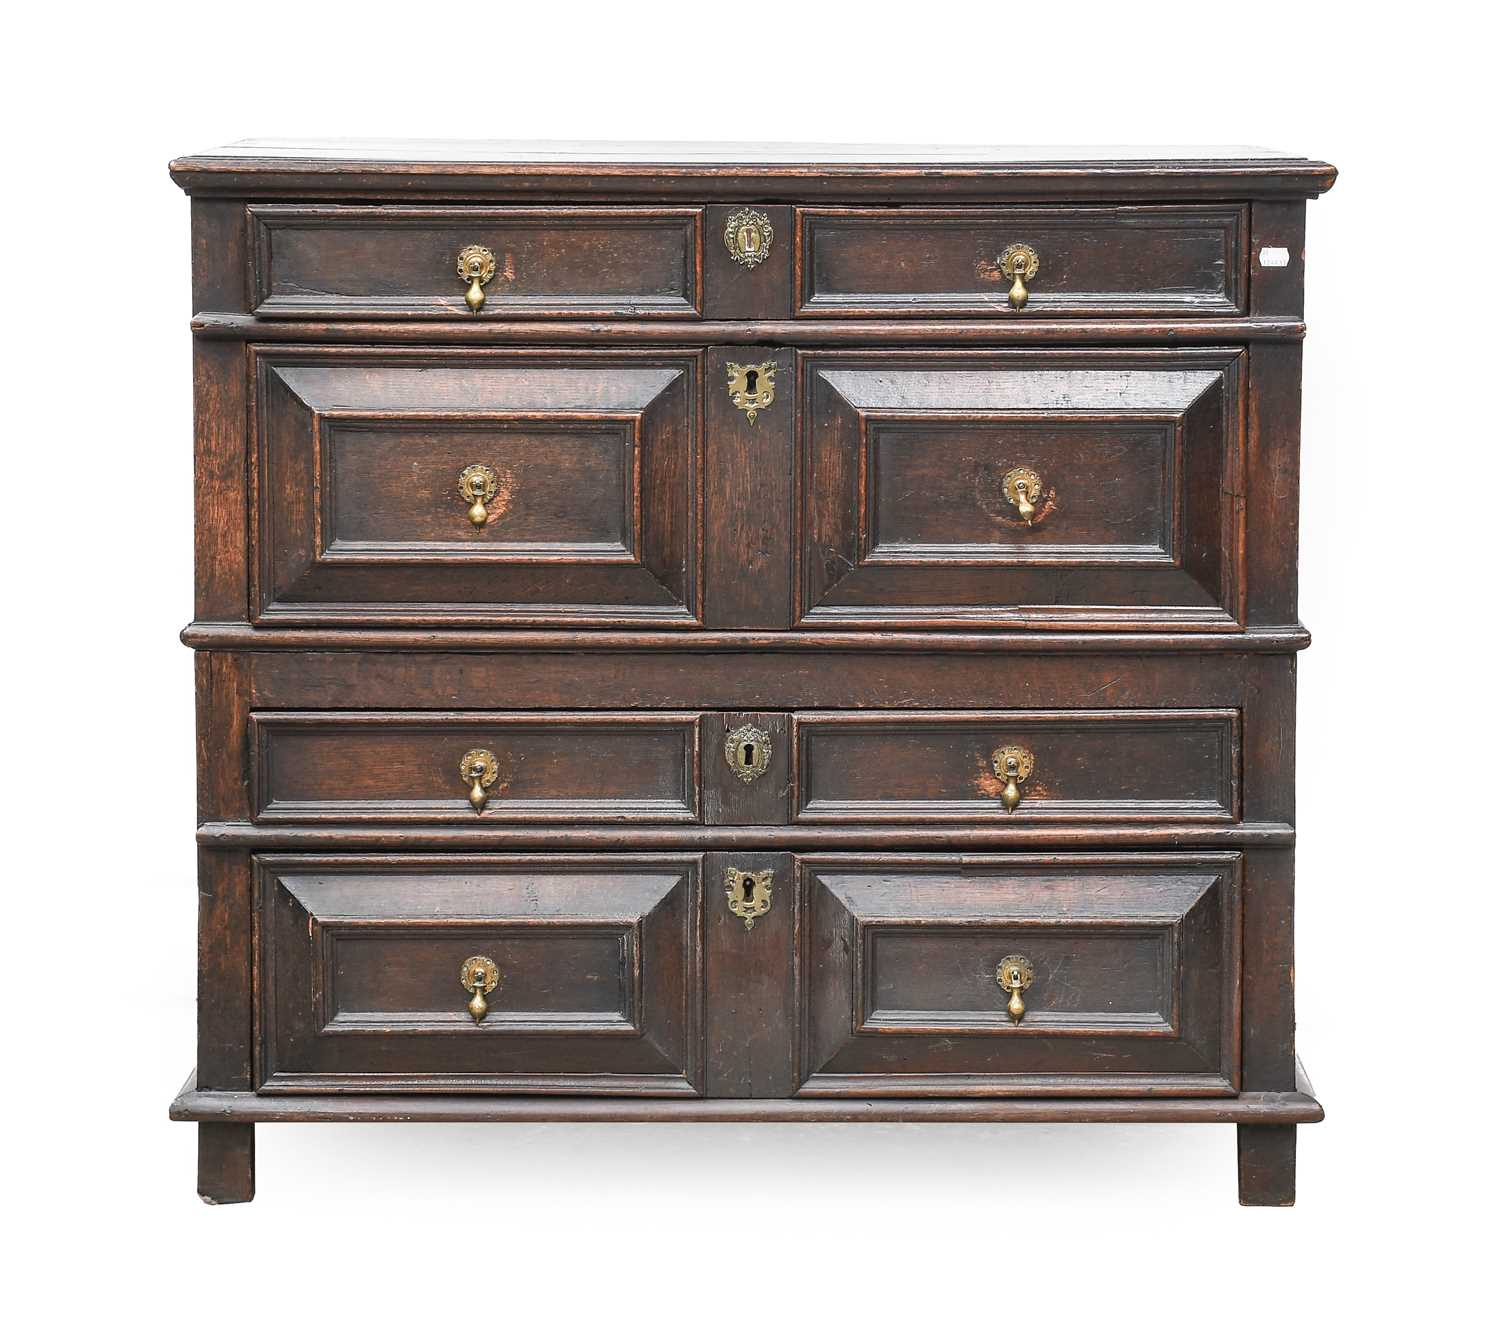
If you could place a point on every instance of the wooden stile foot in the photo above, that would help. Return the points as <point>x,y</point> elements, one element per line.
<point>1268,1165</point>
<point>226,1162</point>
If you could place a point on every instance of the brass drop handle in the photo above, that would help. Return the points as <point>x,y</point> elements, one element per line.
<point>1022,487</point>
<point>479,975</point>
<point>478,484</point>
<point>479,769</point>
<point>1015,974</point>
<point>1019,263</point>
<point>1013,764</point>
<point>476,266</point>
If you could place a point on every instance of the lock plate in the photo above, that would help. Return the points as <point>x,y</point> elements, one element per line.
<point>747,750</point>
<point>748,235</point>
<point>751,388</point>
<point>748,893</point>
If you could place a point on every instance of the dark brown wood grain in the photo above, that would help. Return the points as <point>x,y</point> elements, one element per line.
<point>320,766</point>
<point>903,517</point>
<point>221,566</point>
<point>655,570</point>
<point>226,969</point>
<point>933,835</point>
<point>1136,985</point>
<point>1022,677</point>
<point>1275,287</point>
<point>226,1163</point>
<point>360,518</point>
<point>226,1107</point>
<point>758,292</point>
<point>731,798</point>
<point>748,496</point>
<point>750,982</point>
<point>1142,260</point>
<point>805,332</point>
<point>599,965</point>
<point>466,169</point>
<point>1121,765</point>
<point>392,260</point>
<point>1272,481</point>
<point>1267,1164</point>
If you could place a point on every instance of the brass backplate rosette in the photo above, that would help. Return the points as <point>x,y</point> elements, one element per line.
<point>484,762</point>
<point>476,263</point>
<point>1019,965</point>
<point>479,971</point>
<point>1020,260</point>
<point>478,482</point>
<point>1025,761</point>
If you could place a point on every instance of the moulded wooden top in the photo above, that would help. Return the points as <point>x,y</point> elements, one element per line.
<point>592,169</point>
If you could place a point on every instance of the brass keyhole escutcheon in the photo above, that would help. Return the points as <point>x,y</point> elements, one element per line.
<point>478,484</point>
<point>751,388</point>
<point>1015,974</point>
<point>1022,487</point>
<point>1013,764</point>
<point>1019,263</point>
<point>479,769</point>
<point>748,235</point>
<point>748,893</point>
<point>478,975</point>
<point>747,751</point>
<point>476,266</point>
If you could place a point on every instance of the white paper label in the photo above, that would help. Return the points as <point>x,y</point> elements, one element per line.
<point>1275,257</point>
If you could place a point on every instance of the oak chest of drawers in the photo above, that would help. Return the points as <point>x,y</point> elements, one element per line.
<point>726,633</point>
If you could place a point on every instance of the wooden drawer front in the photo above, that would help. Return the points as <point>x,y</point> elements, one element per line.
<point>326,767</point>
<point>1135,962</point>
<point>1143,260</point>
<point>1124,764</point>
<point>1135,524</point>
<point>395,262</point>
<point>598,960</point>
<point>360,515</point>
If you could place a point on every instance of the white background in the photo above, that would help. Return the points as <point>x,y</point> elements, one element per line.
<point>733,1228</point>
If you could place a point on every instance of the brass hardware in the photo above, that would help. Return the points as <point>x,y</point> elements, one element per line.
<point>478,484</point>
<point>480,769</point>
<point>748,234</point>
<point>476,266</point>
<point>1015,974</point>
<point>478,975</point>
<point>749,894</point>
<point>752,388</point>
<point>1013,764</point>
<point>748,751</point>
<point>1023,489</point>
<point>1019,263</point>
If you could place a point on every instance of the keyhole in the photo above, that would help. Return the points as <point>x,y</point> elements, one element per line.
<point>750,378</point>
<point>747,889</point>
<point>749,754</point>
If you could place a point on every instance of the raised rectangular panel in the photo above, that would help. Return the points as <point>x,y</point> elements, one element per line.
<point>594,459</point>
<point>599,964</point>
<point>906,519</point>
<point>1136,974</point>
